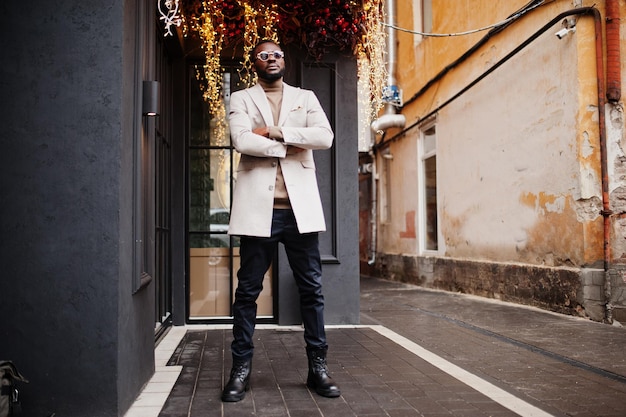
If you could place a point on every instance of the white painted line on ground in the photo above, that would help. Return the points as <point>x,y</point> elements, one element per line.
<point>500,396</point>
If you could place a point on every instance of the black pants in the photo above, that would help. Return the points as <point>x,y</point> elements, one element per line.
<point>257,254</point>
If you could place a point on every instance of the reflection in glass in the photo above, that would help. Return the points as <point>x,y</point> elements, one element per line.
<point>213,254</point>
<point>430,168</point>
<point>209,193</point>
<point>429,148</point>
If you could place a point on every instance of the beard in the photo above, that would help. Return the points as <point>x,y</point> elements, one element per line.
<point>273,76</point>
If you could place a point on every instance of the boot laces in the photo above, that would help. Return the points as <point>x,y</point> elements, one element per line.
<point>319,364</point>
<point>239,370</point>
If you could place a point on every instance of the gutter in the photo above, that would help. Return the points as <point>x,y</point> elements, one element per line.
<point>613,94</point>
<point>613,58</point>
<point>388,120</point>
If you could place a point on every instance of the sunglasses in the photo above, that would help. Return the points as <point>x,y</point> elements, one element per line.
<point>264,56</point>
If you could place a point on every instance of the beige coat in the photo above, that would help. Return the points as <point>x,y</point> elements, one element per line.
<point>303,124</point>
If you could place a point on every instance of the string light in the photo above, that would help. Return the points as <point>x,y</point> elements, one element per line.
<point>267,16</point>
<point>170,16</point>
<point>320,26</point>
<point>210,27</point>
<point>371,61</point>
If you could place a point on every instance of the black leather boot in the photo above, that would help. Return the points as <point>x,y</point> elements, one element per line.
<point>239,381</point>
<point>318,378</point>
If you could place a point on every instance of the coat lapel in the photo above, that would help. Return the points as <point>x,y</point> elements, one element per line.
<point>258,97</point>
<point>289,96</point>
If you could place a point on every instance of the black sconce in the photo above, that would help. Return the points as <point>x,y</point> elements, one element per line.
<point>150,98</point>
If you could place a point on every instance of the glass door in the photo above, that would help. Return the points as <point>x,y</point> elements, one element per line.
<point>213,254</point>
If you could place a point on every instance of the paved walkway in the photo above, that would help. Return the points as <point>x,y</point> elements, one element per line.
<point>416,352</point>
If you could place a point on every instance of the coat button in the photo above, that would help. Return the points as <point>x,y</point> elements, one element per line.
<point>274,164</point>
<point>271,188</point>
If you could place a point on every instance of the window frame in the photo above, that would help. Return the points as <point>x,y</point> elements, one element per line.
<point>144,131</point>
<point>423,155</point>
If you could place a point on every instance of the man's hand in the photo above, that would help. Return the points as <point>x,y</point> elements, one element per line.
<point>294,149</point>
<point>263,131</point>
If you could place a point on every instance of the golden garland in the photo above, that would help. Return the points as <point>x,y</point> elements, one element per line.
<point>218,22</point>
<point>251,36</point>
<point>371,57</point>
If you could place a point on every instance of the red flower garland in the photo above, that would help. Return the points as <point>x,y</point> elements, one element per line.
<point>320,26</point>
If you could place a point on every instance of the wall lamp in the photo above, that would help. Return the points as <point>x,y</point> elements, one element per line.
<point>150,106</point>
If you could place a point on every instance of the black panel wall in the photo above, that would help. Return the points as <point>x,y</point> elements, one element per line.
<point>335,83</point>
<point>70,319</point>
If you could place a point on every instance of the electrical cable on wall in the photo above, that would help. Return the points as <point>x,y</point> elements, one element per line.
<point>511,18</point>
<point>573,12</point>
<point>529,6</point>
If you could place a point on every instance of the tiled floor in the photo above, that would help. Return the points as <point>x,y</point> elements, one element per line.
<point>379,376</point>
<point>416,353</point>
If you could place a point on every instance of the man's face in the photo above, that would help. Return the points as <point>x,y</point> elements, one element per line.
<point>271,69</point>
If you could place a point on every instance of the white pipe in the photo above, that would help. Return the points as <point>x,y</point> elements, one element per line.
<point>388,120</point>
<point>373,214</point>
<point>390,17</point>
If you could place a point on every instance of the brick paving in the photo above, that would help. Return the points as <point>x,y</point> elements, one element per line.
<point>561,365</point>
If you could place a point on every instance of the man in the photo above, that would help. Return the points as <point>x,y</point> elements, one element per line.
<point>276,127</point>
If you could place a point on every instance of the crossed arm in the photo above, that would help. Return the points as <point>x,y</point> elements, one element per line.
<point>275,133</point>
<point>300,132</point>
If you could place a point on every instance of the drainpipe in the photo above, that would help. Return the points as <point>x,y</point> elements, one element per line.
<point>390,118</point>
<point>613,94</point>
<point>606,210</point>
<point>613,60</point>
<point>373,212</point>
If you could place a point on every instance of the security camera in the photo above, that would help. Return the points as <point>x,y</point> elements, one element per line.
<point>564,32</point>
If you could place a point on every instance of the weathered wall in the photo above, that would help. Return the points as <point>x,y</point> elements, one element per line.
<point>509,153</point>
<point>510,179</point>
<point>518,159</point>
<point>574,291</point>
<point>555,289</point>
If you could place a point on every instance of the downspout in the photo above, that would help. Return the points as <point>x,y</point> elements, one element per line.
<point>389,119</point>
<point>613,59</point>
<point>606,210</point>
<point>613,94</point>
<point>373,211</point>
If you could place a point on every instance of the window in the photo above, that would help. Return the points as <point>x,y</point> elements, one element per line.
<point>422,19</point>
<point>211,162</point>
<point>386,185</point>
<point>427,16</point>
<point>428,190</point>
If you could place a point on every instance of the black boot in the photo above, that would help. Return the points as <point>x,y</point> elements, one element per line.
<point>318,378</point>
<point>239,381</point>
